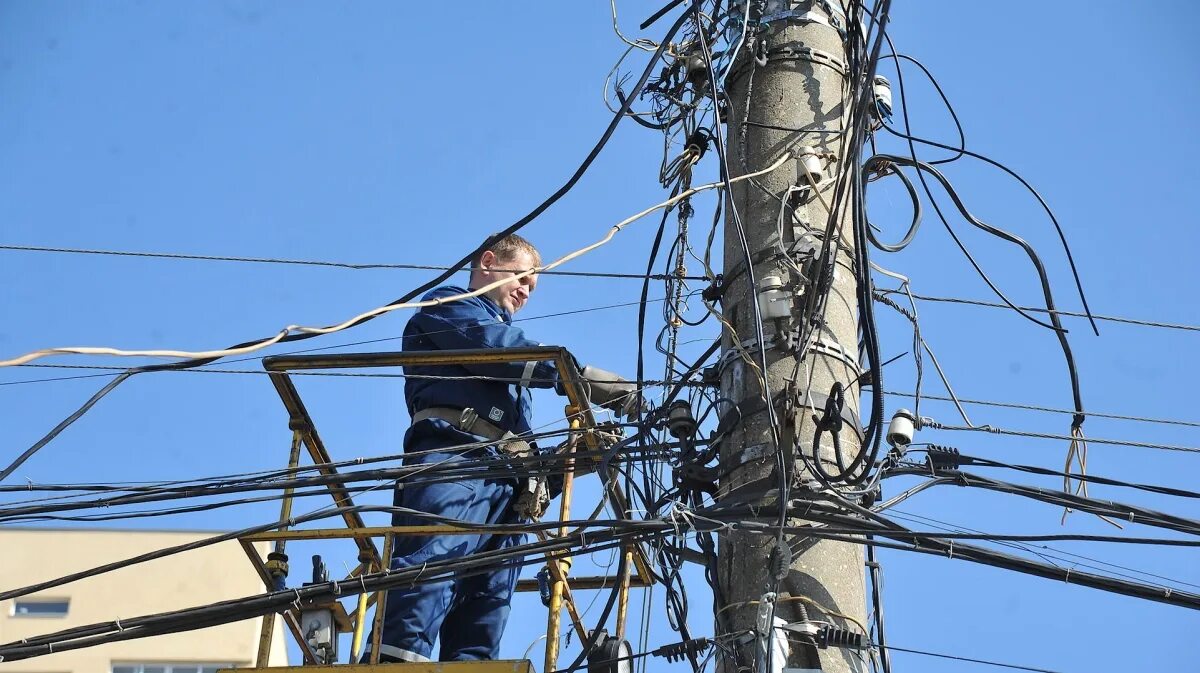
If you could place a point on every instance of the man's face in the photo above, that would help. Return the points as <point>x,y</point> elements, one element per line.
<point>513,294</point>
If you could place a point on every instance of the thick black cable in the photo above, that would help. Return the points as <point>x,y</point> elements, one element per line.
<point>912,227</point>
<point>529,217</point>
<point>962,150</point>
<point>1047,293</point>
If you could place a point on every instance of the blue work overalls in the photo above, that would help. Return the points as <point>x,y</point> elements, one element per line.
<point>469,613</point>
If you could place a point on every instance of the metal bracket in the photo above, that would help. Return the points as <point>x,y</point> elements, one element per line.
<point>835,350</point>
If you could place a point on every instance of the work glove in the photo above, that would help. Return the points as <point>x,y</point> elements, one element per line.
<point>531,498</point>
<point>611,391</point>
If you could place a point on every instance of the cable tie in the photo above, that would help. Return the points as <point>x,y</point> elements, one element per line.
<point>30,481</point>
<point>1067,579</point>
<point>120,628</point>
<point>296,603</point>
<point>951,554</point>
<point>336,588</point>
<point>362,579</point>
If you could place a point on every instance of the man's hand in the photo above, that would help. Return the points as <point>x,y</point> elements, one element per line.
<point>611,391</point>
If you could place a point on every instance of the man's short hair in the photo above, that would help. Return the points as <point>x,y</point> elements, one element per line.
<point>507,249</point>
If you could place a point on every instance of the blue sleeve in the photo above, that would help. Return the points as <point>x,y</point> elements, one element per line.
<point>464,325</point>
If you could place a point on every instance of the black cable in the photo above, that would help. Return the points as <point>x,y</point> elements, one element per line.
<point>542,207</point>
<point>962,150</point>
<point>1047,293</point>
<point>876,574</point>
<point>955,657</point>
<point>912,227</point>
<point>1091,478</point>
<point>308,262</point>
<point>1109,508</point>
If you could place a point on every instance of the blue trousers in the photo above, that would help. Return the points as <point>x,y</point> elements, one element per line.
<point>468,613</point>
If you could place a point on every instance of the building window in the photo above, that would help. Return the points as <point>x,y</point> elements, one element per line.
<point>40,607</point>
<point>168,668</point>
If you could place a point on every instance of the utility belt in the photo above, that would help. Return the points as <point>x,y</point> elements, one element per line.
<point>532,496</point>
<point>468,421</point>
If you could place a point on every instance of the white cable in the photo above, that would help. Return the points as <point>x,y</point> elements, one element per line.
<point>297,329</point>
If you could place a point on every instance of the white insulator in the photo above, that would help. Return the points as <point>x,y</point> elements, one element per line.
<point>900,430</point>
<point>810,165</point>
<point>882,90</point>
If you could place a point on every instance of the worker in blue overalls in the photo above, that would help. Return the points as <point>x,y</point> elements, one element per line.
<point>493,403</point>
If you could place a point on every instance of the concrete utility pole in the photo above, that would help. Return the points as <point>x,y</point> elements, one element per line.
<point>799,92</point>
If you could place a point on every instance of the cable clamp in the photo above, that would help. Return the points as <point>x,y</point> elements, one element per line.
<point>834,349</point>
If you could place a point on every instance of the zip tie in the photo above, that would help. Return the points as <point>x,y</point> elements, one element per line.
<point>336,589</point>
<point>951,555</point>
<point>30,481</point>
<point>1167,592</point>
<point>363,581</point>
<point>1067,579</point>
<point>296,603</point>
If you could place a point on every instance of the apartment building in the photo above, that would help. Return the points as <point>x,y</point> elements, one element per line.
<point>198,577</point>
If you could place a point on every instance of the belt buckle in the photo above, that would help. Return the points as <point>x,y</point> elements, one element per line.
<point>466,421</point>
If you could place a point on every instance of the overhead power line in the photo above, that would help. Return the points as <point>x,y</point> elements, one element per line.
<point>313,262</point>
<point>1034,407</point>
<point>928,422</point>
<point>1072,314</point>
<point>955,657</point>
<point>113,371</point>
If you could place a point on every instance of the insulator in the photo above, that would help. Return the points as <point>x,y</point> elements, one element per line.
<point>832,636</point>
<point>678,651</point>
<point>680,421</point>
<point>900,430</point>
<point>943,457</point>
<point>882,89</point>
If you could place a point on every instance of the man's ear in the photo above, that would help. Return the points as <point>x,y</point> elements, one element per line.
<point>487,259</point>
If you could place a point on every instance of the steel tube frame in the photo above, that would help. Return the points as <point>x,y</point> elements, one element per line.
<point>582,423</point>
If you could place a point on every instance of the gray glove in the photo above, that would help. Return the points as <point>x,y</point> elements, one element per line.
<point>611,391</point>
<point>531,499</point>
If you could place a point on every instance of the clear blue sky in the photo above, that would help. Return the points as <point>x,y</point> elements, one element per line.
<point>389,133</point>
